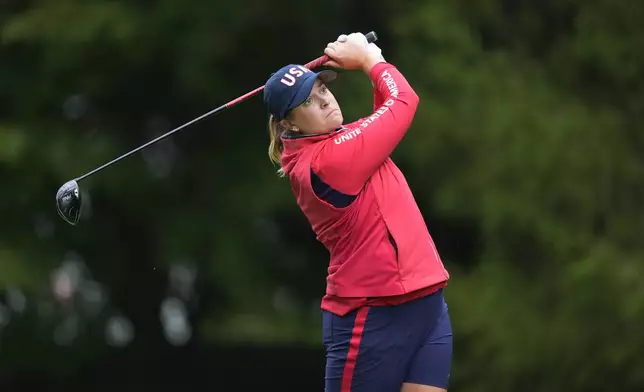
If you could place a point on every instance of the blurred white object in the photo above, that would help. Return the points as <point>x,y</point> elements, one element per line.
<point>174,318</point>
<point>119,331</point>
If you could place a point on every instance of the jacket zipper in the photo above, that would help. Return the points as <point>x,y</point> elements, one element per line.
<point>393,243</point>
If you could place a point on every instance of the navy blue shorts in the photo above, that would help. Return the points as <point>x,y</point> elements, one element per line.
<point>378,348</point>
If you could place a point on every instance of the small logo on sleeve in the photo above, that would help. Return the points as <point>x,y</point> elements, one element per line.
<point>347,136</point>
<point>390,82</point>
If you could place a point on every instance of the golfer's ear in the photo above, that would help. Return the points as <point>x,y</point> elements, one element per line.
<point>286,124</point>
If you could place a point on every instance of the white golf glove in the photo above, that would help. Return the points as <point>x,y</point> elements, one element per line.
<point>372,48</point>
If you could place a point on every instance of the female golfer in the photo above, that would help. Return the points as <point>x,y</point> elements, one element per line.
<point>385,322</point>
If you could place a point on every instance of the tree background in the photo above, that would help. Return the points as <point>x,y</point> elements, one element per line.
<point>192,264</point>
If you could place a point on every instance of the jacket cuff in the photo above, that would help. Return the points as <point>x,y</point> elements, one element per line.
<point>377,69</point>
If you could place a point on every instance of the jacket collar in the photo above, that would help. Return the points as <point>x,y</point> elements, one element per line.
<point>295,143</point>
<point>289,135</point>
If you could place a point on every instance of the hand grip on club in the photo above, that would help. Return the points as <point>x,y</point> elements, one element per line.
<point>371,37</point>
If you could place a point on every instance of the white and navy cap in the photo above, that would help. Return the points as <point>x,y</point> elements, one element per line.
<point>290,86</point>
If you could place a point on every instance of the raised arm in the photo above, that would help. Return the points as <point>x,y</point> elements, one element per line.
<point>347,162</point>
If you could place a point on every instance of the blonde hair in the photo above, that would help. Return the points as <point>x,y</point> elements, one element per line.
<point>276,146</point>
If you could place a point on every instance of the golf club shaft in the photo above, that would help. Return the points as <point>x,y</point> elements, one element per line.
<point>371,37</point>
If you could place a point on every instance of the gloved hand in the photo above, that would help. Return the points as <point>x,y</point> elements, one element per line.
<point>353,52</point>
<point>373,49</point>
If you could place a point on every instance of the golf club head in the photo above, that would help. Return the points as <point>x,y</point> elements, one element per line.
<point>68,202</point>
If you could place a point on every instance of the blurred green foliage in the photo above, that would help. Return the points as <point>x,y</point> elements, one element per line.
<point>525,157</point>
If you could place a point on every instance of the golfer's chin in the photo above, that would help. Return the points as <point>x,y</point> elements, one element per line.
<point>334,121</point>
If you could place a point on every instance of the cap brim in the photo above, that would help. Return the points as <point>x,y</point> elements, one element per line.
<point>325,76</point>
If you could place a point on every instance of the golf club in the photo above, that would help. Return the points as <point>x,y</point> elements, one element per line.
<point>68,197</point>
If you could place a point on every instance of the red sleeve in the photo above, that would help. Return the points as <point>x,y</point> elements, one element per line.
<point>346,162</point>
<point>379,96</point>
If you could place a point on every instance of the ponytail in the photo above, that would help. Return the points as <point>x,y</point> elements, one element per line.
<point>276,146</point>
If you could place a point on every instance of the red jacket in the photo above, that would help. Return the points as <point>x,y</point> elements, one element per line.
<point>377,238</point>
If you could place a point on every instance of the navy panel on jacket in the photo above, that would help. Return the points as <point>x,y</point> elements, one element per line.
<point>328,194</point>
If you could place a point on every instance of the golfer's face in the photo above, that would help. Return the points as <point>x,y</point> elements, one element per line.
<point>319,113</point>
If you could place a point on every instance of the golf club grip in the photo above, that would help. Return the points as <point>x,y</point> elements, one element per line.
<point>371,37</point>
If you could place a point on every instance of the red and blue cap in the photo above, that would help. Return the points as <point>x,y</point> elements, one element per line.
<point>290,86</point>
